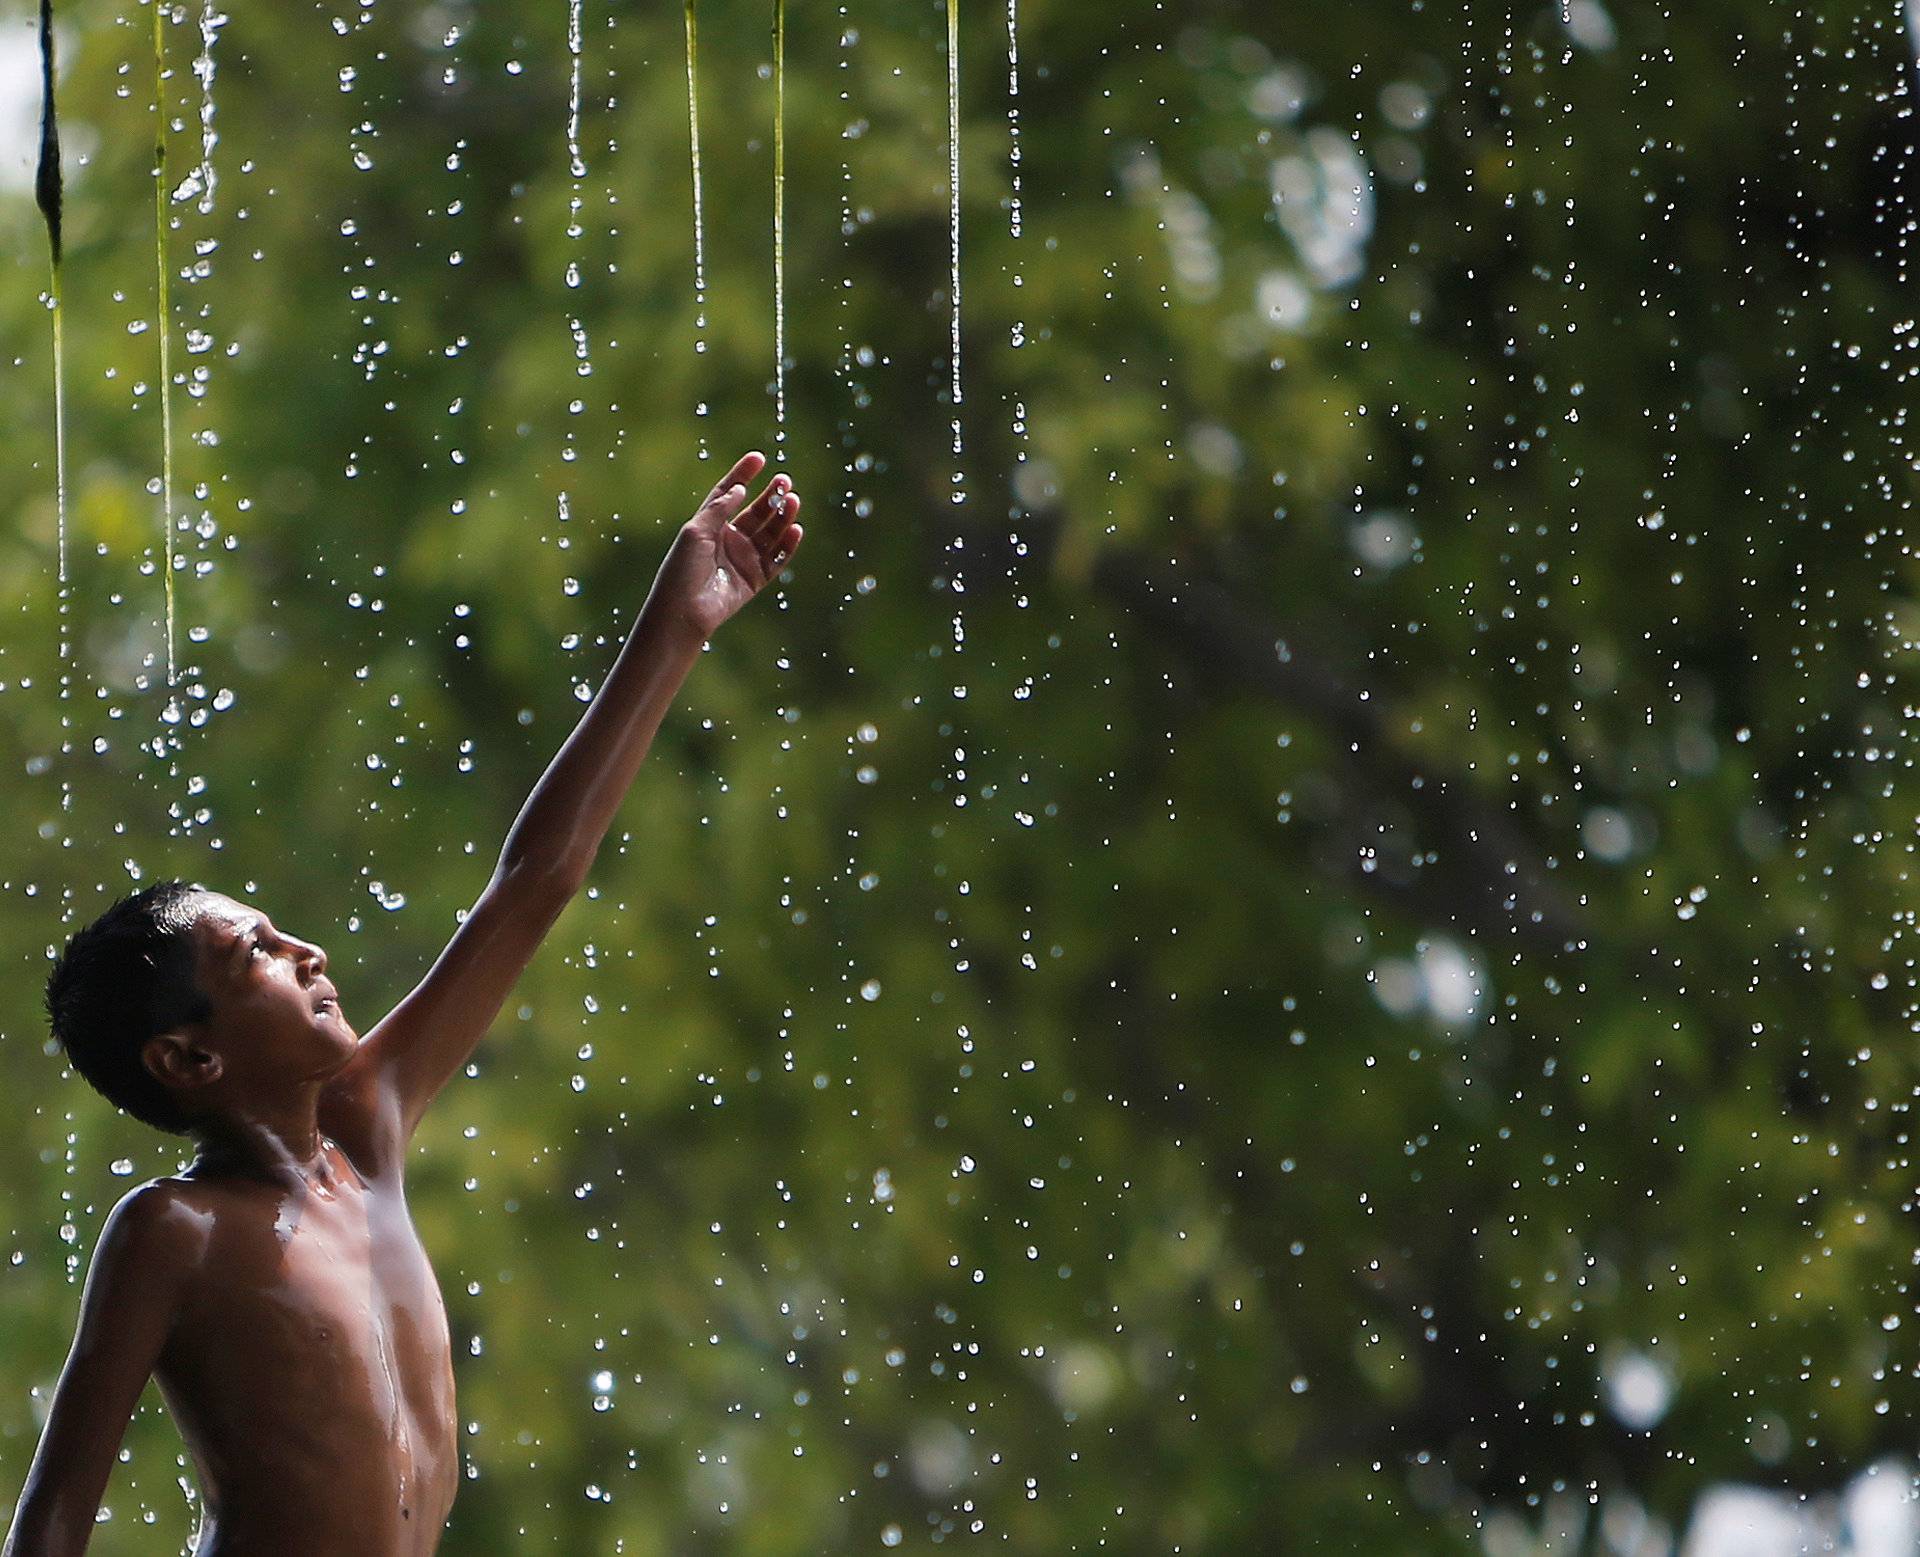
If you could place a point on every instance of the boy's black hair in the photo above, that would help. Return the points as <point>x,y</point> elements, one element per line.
<point>123,979</point>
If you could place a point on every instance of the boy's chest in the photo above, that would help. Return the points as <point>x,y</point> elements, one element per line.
<point>330,1298</point>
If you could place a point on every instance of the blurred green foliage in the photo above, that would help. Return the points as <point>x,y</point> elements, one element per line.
<point>1391,927</point>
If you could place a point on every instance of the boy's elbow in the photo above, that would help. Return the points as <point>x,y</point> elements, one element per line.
<point>546,886</point>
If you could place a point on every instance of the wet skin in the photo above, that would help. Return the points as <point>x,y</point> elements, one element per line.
<point>276,1289</point>
<point>330,1295</point>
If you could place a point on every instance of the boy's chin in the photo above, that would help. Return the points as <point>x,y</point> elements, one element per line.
<point>331,1045</point>
<point>341,1041</point>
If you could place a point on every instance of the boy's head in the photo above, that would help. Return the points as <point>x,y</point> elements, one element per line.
<point>179,1004</point>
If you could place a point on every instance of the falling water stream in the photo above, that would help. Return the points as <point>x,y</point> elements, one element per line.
<point>953,224</point>
<point>849,225</point>
<point>211,21</point>
<point>699,206</point>
<point>164,310</point>
<point>957,577</point>
<point>780,220</point>
<point>576,168</point>
<point>1017,331</point>
<point>576,171</point>
<point>1013,115</point>
<point>47,192</point>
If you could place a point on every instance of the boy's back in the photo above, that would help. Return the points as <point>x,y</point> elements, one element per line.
<point>276,1289</point>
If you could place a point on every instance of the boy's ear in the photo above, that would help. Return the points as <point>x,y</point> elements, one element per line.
<point>176,1059</point>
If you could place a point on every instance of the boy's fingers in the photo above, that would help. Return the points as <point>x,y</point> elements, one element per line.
<point>775,499</point>
<point>744,470</point>
<point>773,541</point>
<point>726,502</point>
<point>775,522</point>
<point>775,533</point>
<point>789,544</point>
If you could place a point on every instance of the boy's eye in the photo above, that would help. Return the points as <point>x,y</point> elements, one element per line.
<point>256,948</point>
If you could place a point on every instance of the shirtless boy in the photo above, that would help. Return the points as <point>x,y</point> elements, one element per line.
<point>276,1288</point>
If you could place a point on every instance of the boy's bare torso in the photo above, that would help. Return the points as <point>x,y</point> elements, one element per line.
<point>309,1368</point>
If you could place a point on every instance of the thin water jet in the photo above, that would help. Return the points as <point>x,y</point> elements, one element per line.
<point>953,226</point>
<point>164,323</point>
<point>1017,332</point>
<point>848,226</point>
<point>780,221</point>
<point>575,166</point>
<point>577,170</point>
<point>956,581</point>
<point>211,21</point>
<point>699,206</point>
<point>47,193</point>
<point>1014,213</point>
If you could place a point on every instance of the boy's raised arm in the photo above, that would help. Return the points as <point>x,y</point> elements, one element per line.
<point>125,1313</point>
<point>721,558</point>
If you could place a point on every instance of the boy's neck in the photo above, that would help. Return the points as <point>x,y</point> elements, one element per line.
<point>282,1144</point>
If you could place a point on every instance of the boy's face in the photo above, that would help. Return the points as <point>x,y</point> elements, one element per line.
<point>276,1017</point>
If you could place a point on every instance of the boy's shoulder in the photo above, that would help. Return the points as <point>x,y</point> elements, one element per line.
<point>157,1221</point>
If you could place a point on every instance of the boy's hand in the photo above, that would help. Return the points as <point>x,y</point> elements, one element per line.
<point>725,554</point>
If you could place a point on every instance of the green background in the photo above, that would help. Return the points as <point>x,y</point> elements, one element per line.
<point>1361,1000</point>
